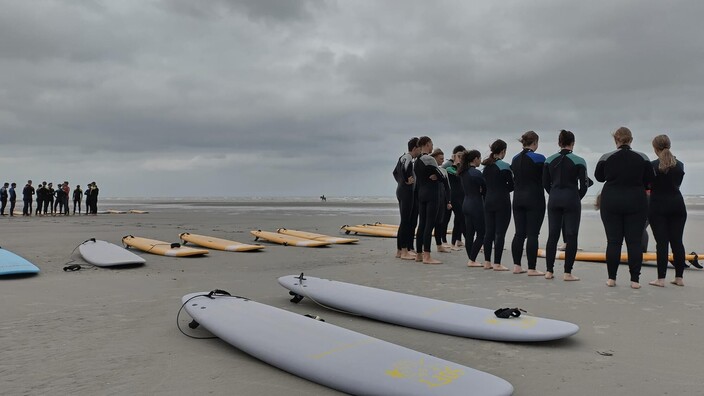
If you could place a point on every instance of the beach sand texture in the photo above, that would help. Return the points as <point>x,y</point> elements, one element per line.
<point>113,331</point>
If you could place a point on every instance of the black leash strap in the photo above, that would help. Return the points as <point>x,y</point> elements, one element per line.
<point>508,313</point>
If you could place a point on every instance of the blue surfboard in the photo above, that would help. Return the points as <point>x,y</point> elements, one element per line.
<point>12,264</point>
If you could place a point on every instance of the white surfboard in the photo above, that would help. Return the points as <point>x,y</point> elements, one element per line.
<point>333,356</point>
<point>105,254</point>
<point>12,264</point>
<point>426,313</point>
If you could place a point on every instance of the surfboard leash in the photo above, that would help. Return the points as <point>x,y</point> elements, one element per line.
<point>77,267</point>
<point>298,297</point>
<point>194,324</point>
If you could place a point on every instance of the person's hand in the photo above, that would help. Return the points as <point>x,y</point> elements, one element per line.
<point>433,177</point>
<point>449,206</point>
<point>411,180</point>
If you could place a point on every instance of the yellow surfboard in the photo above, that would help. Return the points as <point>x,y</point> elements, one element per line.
<point>395,227</point>
<point>161,247</point>
<point>137,211</point>
<point>370,230</point>
<point>286,240</point>
<point>115,211</point>
<point>217,243</point>
<point>316,237</point>
<point>601,256</point>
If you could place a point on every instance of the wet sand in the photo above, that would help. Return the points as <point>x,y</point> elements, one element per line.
<point>113,331</point>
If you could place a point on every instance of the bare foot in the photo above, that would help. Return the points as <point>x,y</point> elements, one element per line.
<point>658,283</point>
<point>499,267</point>
<point>549,275</point>
<point>518,270</point>
<point>443,249</point>
<point>429,260</point>
<point>408,256</point>
<point>456,248</point>
<point>398,254</point>
<point>471,263</point>
<point>487,265</point>
<point>460,244</point>
<point>446,245</point>
<point>635,285</point>
<point>532,272</point>
<point>678,282</point>
<point>611,283</point>
<point>570,278</point>
<point>419,257</point>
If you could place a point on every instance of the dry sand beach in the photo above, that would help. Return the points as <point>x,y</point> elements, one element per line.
<point>113,331</point>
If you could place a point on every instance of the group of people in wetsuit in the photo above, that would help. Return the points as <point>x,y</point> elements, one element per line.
<point>50,200</point>
<point>430,189</point>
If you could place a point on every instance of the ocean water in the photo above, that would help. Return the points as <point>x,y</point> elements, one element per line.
<point>355,206</point>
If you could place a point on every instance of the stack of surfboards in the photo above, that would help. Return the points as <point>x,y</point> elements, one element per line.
<point>287,240</point>
<point>316,237</point>
<point>12,264</point>
<point>376,229</point>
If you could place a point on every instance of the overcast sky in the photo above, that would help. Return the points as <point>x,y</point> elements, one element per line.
<point>302,98</point>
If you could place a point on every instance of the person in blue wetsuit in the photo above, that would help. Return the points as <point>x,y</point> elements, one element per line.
<point>624,205</point>
<point>528,203</point>
<point>457,196</point>
<point>474,189</point>
<point>668,213</point>
<point>444,202</point>
<point>497,203</point>
<point>428,185</point>
<point>565,180</point>
<point>403,173</point>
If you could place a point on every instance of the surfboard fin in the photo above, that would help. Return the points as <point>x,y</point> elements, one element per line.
<point>193,324</point>
<point>316,317</point>
<point>296,297</point>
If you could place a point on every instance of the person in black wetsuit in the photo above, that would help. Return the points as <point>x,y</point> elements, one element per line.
<point>3,197</point>
<point>444,202</point>
<point>474,189</point>
<point>565,180</point>
<point>668,213</point>
<point>624,206</point>
<point>403,173</point>
<point>41,190</point>
<point>528,203</point>
<point>27,193</point>
<point>13,198</point>
<point>77,198</point>
<point>428,183</point>
<point>456,198</point>
<point>49,201</point>
<point>497,203</point>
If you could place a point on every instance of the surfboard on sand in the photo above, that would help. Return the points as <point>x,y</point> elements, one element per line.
<point>370,230</point>
<point>316,237</point>
<point>115,211</point>
<point>600,257</point>
<point>137,211</point>
<point>105,254</point>
<point>161,248</point>
<point>332,356</point>
<point>286,240</point>
<point>218,243</point>
<point>425,313</point>
<point>12,264</point>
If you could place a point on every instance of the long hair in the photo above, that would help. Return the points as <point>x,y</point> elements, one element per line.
<point>496,148</point>
<point>662,145</point>
<point>467,158</point>
<point>623,136</point>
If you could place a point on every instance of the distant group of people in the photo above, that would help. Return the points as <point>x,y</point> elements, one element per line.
<point>430,190</point>
<point>49,200</point>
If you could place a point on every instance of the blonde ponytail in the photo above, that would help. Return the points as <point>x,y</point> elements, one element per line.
<point>661,144</point>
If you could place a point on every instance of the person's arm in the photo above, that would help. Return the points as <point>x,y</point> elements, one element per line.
<point>547,179</point>
<point>600,172</point>
<point>583,180</point>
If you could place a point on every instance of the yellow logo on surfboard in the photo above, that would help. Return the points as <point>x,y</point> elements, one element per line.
<point>430,375</point>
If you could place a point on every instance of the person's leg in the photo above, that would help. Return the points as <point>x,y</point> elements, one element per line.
<point>458,223</point>
<point>659,226</point>
<point>676,232</point>
<point>571,222</point>
<point>613,227</point>
<point>480,229</point>
<point>555,219</point>
<point>12,208</point>
<point>503,219</point>
<point>404,212</point>
<point>535,220</point>
<point>469,231</point>
<point>431,208</point>
<point>633,233</point>
<point>520,221</point>
<point>489,234</point>
<point>3,204</point>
